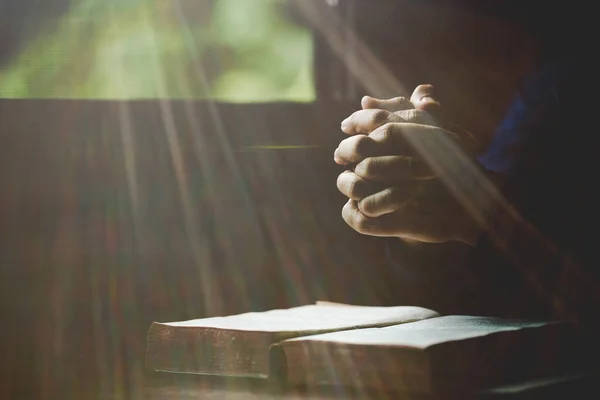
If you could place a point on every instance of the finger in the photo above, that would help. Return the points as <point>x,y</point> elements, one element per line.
<point>417,116</point>
<point>355,187</point>
<point>358,221</point>
<point>411,222</point>
<point>382,226</point>
<point>400,138</point>
<point>393,169</point>
<point>405,138</point>
<point>355,149</point>
<point>424,98</point>
<point>366,121</point>
<point>387,201</point>
<point>404,223</point>
<point>338,160</point>
<point>392,105</point>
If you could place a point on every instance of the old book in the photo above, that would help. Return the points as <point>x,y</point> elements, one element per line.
<point>449,354</point>
<point>239,345</point>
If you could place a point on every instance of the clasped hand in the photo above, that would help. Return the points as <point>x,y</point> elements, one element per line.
<point>393,190</point>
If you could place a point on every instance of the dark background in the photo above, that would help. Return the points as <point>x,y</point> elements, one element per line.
<point>87,262</point>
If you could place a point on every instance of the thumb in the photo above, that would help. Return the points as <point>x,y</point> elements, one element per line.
<point>391,105</point>
<point>424,98</point>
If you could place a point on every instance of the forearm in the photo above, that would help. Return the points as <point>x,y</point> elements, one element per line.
<point>503,225</point>
<point>534,257</point>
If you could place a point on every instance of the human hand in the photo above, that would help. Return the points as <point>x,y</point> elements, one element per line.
<point>396,154</point>
<point>421,108</point>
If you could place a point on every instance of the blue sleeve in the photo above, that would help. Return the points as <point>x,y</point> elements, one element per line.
<point>537,93</point>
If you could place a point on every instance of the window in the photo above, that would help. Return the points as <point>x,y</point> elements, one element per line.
<point>227,50</point>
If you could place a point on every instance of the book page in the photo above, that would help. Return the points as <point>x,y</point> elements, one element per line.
<point>313,318</point>
<point>423,334</point>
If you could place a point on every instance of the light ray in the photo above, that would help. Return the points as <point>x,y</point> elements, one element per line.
<point>199,253</point>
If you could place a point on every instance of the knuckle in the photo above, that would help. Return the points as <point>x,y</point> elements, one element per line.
<point>411,115</point>
<point>375,205</point>
<point>366,168</point>
<point>354,219</point>
<point>368,206</point>
<point>417,116</point>
<point>385,133</point>
<point>380,117</point>
<point>353,187</point>
<point>362,145</point>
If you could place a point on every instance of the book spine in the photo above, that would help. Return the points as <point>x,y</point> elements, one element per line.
<point>315,363</point>
<point>208,351</point>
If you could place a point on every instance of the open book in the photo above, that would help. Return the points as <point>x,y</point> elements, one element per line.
<point>385,348</point>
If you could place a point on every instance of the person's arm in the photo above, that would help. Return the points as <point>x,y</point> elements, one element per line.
<point>531,226</point>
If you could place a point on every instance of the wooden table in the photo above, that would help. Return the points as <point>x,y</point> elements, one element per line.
<point>183,387</point>
<point>145,385</point>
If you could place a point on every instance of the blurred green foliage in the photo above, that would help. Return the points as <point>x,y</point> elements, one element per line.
<point>227,50</point>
